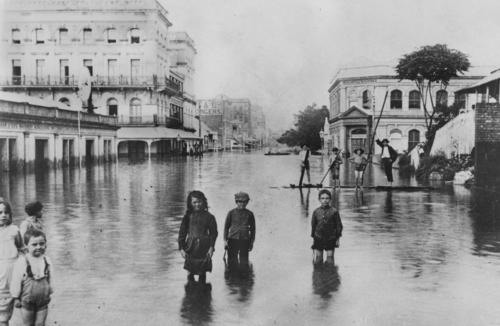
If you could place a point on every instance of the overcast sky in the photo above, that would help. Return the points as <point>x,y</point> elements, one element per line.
<point>282,54</point>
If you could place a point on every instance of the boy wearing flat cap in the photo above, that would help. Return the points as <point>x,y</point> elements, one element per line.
<point>239,231</point>
<point>34,219</point>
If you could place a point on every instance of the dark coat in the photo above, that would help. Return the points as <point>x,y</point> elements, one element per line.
<point>392,151</point>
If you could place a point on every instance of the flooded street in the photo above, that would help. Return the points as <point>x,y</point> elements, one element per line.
<point>405,258</point>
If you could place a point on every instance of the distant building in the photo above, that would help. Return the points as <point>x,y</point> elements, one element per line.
<point>258,124</point>
<point>138,68</point>
<point>357,97</point>
<point>231,118</point>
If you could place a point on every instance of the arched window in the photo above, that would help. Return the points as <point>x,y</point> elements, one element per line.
<point>87,35</point>
<point>16,36</point>
<point>396,137</point>
<point>414,100</point>
<point>413,139</point>
<point>366,99</point>
<point>134,36</point>
<point>64,100</point>
<point>396,99</point>
<point>111,35</point>
<point>112,105</point>
<point>441,98</point>
<point>39,36</point>
<point>135,110</point>
<point>63,36</point>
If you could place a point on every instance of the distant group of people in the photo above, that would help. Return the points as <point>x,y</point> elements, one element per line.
<point>198,233</point>
<point>25,271</point>
<point>359,159</point>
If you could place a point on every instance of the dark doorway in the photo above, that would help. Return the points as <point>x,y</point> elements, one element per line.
<point>89,151</point>
<point>41,153</point>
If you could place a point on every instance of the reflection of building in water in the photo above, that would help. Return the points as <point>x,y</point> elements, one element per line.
<point>485,216</point>
<point>357,96</point>
<point>196,306</point>
<point>240,281</point>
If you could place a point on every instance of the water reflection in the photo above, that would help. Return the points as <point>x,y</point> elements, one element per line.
<point>196,306</point>
<point>325,281</point>
<point>304,201</point>
<point>239,280</point>
<point>485,222</point>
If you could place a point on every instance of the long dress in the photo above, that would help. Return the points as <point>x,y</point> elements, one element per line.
<point>8,256</point>
<point>197,234</point>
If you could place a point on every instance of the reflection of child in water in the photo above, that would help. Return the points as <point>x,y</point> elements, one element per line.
<point>360,160</point>
<point>326,228</point>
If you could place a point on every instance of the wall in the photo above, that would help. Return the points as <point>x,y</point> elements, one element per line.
<point>457,136</point>
<point>487,145</point>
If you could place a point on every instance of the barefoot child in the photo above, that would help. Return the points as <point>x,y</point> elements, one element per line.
<point>31,280</point>
<point>360,160</point>
<point>34,219</point>
<point>326,228</point>
<point>197,236</point>
<point>239,230</point>
<point>335,161</point>
<point>10,245</point>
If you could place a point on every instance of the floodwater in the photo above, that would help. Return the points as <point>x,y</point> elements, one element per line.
<point>405,258</point>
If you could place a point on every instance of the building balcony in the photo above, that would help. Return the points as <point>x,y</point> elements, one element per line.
<point>37,81</point>
<point>149,121</point>
<point>98,82</point>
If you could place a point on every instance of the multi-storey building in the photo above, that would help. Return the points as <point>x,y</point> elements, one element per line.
<point>357,96</point>
<point>50,47</point>
<point>231,118</point>
<point>258,124</point>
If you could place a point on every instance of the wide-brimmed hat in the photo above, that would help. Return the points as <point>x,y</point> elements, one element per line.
<point>359,150</point>
<point>241,196</point>
<point>385,140</point>
<point>33,208</point>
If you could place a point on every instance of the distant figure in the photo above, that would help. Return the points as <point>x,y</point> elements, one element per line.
<point>388,156</point>
<point>335,162</point>
<point>326,228</point>
<point>360,161</point>
<point>197,236</point>
<point>304,164</point>
<point>239,231</point>
<point>31,280</point>
<point>10,246</point>
<point>421,150</point>
<point>34,219</point>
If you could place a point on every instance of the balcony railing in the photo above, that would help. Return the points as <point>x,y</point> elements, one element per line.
<point>149,120</point>
<point>162,84</point>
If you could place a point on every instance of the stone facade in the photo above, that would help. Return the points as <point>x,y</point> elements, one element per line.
<point>125,47</point>
<point>40,133</point>
<point>357,96</point>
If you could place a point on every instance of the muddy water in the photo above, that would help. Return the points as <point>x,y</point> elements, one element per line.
<point>419,258</point>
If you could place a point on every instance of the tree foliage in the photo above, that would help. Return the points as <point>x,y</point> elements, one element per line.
<point>430,66</point>
<point>308,124</point>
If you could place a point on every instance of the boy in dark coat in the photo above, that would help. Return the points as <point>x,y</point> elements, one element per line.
<point>239,230</point>
<point>326,228</point>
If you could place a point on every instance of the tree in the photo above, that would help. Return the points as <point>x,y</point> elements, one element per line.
<point>308,124</point>
<point>430,66</point>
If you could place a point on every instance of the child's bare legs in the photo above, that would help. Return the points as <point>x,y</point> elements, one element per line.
<point>34,318</point>
<point>329,257</point>
<point>317,256</point>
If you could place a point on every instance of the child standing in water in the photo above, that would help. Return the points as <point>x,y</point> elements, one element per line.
<point>10,245</point>
<point>239,230</point>
<point>31,280</point>
<point>34,219</point>
<point>326,228</point>
<point>197,236</point>
<point>335,161</point>
<point>360,161</point>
